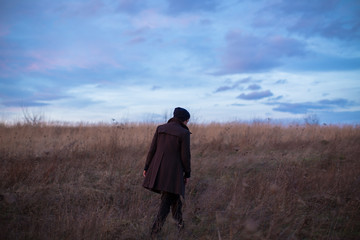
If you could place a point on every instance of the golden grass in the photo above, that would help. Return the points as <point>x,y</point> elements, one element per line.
<point>249,181</point>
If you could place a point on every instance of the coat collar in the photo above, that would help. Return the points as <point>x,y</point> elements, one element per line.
<point>179,122</point>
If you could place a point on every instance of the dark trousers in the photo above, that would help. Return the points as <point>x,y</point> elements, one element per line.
<point>168,200</point>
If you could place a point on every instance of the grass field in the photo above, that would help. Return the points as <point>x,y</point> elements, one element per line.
<point>249,181</point>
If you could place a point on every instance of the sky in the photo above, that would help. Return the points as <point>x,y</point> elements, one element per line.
<point>223,60</point>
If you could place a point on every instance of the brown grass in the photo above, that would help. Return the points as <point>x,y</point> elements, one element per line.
<point>249,181</point>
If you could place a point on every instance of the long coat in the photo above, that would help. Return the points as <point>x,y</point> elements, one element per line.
<point>168,160</point>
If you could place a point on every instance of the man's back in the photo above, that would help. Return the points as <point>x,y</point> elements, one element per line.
<point>168,159</point>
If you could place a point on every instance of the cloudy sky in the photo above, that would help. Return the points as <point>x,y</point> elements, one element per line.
<point>223,60</point>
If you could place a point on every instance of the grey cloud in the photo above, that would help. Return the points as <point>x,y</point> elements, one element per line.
<point>138,31</point>
<point>131,6</point>
<point>255,95</point>
<point>254,87</point>
<point>16,9</point>
<point>245,80</point>
<point>297,108</point>
<point>14,94</point>
<point>305,107</point>
<point>247,53</point>
<point>78,9</point>
<point>307,7</point>
<point>345,30</point>
<point>319,62</point>
<point>238,104</point>
<point>223,88</point>
<point>281,81</point>
<point>22,103</point>
<point>137,40</point>
<point>78,102</point>
<point>205,22</point>
<point>340,102</point>
<point>326,18</point>
<point>235,85</point>
<point>176,6</point>
<point>27,99</point>
<point>276,98</point>
<point>155,88</point>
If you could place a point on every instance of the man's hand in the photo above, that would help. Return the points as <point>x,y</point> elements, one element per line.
<point>186,180</point>
<point>144,173</point>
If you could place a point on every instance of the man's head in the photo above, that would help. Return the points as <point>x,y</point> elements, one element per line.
<point>181,114</point>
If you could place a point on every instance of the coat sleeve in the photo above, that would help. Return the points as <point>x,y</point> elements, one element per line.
<point>151,151</point>
<point>185,155</point>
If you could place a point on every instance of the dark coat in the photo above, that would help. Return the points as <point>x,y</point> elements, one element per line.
<point>168,160</point>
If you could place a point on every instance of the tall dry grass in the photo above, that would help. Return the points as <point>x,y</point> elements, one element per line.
<point>249,181</point>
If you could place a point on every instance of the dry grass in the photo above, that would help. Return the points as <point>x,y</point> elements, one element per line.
<point>249,181</point>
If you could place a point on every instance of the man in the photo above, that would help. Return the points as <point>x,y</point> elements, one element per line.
<point>167,167</point>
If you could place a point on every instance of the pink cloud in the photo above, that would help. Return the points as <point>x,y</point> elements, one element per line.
<point>68,59</point>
